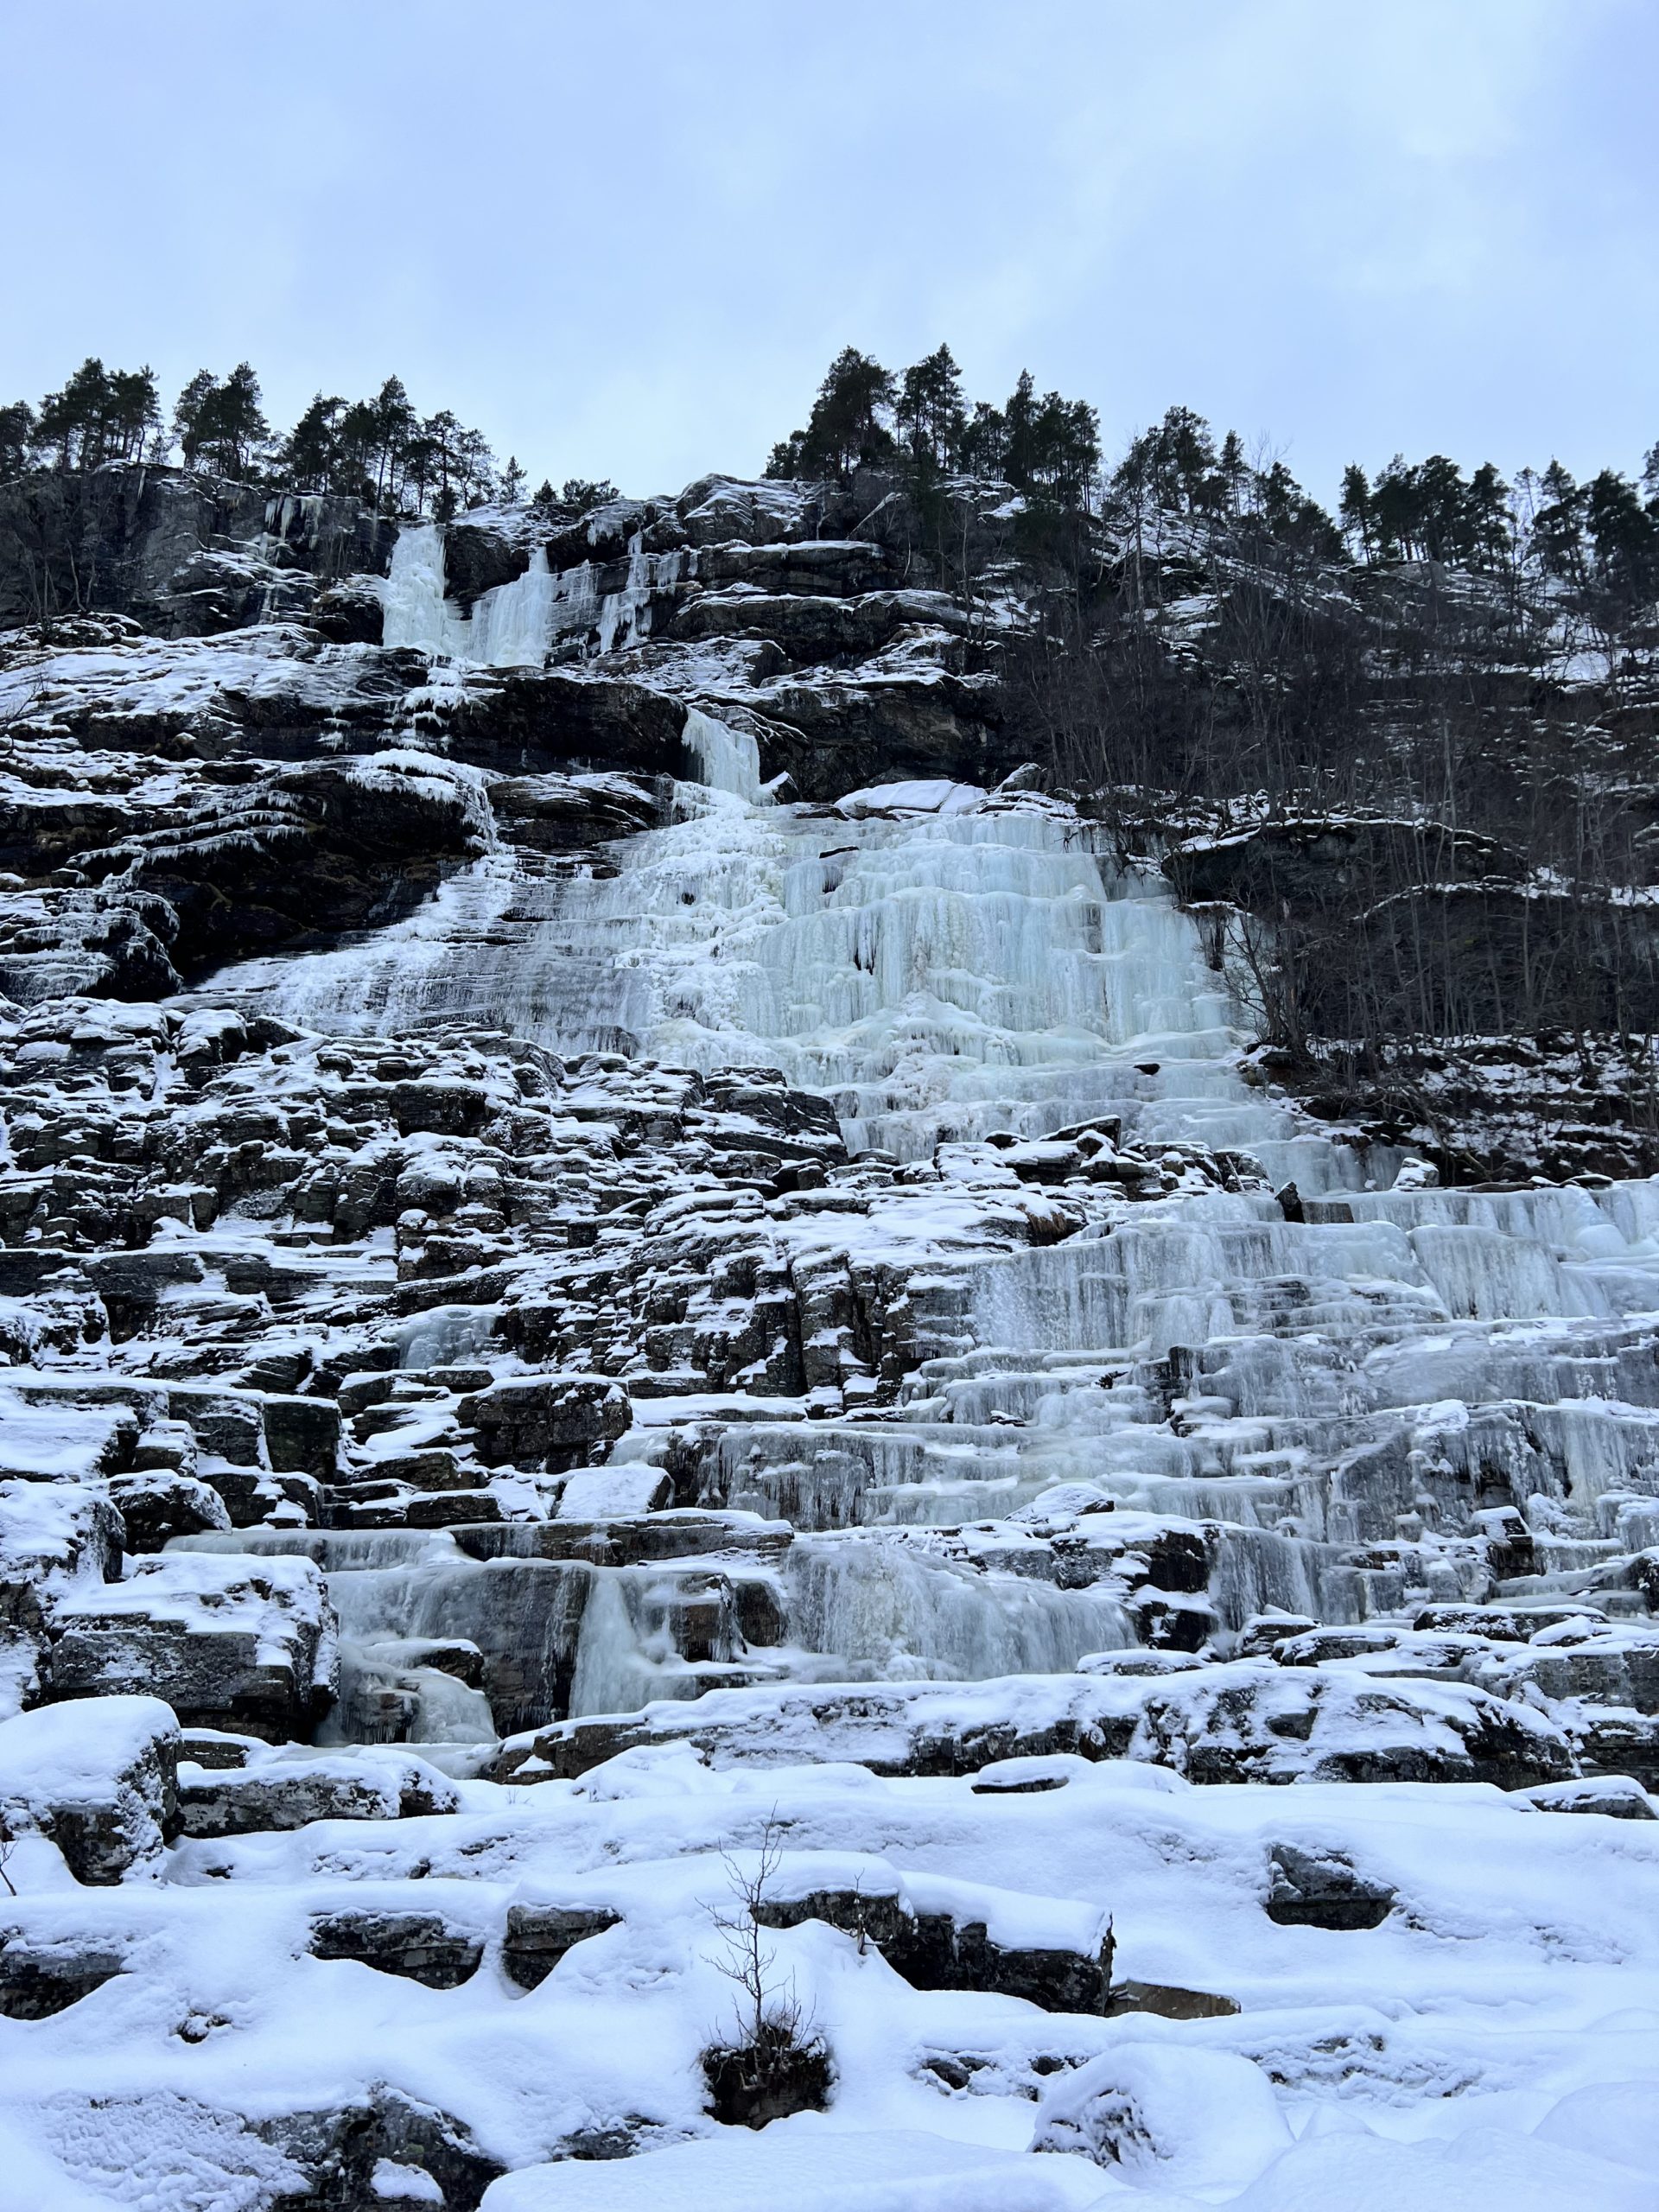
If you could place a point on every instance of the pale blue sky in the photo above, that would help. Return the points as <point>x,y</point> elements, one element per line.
<point>625,240</point>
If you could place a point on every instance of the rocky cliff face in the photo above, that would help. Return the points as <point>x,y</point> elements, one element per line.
<point>183,555</point>
<point>621,1240</point>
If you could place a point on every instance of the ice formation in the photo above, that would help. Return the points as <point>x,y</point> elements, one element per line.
<point>793,1320</point>
<point>516,624</point>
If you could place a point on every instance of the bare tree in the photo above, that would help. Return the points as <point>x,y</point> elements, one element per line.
<point>774,2061</point>
<point>766,2008</point>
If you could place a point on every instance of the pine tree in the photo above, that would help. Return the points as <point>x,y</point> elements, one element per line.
<point>1355,511</point>
<point>1626,537</point>
<point>134,412</point>
<point>845,426</point>
<point>984,441</point>
<point>1558,526</point>
<point>100,414</point>
<point>1490,529</point>
<point>221,425</point>
<point>477,466</point>
<point>1232,470</point>
<point>310,457</point>
<point>783,462</point>
<point>1394,511</point>
<point>1019,434</point>
<point>929,414</point>
<point>17,438</point>
<point>67,427</point>
<point>512,481</point>
<point>395,426</point>
<point>1183,460</point>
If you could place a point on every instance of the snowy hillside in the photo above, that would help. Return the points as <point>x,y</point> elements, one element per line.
<point>705,1498</point>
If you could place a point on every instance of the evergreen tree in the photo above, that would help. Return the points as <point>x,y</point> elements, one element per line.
<point>1625,536</point>
<point>845,426</point>
<point>1426,511</point>
<point>221,426</point>
<point>1290,518</point>
<point>310,458</point>
<point>1050,446</point>
<point>100,414</point>
<point>1232,470</point>
<point>1019,434</point>
<point>395,429</point>
<point>984,441</point>
<point>512,481</point>
<point>1558,526</point>
<point>1490,521</point>
<point>477,465</point>
<point>929,413</point>
<point>1355,511</point>
<point>354,449</point>
<point>17,438</point>
<point>783,462</point>
<point>1394,511</point>
<point>1186,455</point>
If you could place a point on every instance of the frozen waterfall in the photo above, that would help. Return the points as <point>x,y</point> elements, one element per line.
<point>1316,1382</point>
<point>516,624</point>
<point>937,976</point>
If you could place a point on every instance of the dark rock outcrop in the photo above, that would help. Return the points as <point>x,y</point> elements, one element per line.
<point>186,555</point>
<point>1313,1890</point>
<point>420,1946</point>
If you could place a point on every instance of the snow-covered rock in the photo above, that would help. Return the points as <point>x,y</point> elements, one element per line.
<point>1166,2119</point>
<point>242,1641</point>
<point>98,1779</point>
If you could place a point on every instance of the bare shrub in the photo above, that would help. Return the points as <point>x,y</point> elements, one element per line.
<point>773,2060</point>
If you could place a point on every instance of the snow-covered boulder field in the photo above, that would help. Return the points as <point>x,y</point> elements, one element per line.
<point>702,1504</point>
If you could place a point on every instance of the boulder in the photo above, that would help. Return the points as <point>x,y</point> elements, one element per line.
<point>281,1795</point>
<point>421,1946</point>
<point>939,1935</point>
<point>58,1443</point>
<point>99,1781</point>
<point>351,612</point>
<point>302,1436</point>
<point>1246,1721</point>
<point>52,1536</point>
<point>243,1642</point>
<point>157,1504</point>
<point>40,1977</point>
<point>551,1421</point>
<point>538,1935</point>
<point>1615,1797</point>
<point>1166,2118</point>
<point>1310,1888</point>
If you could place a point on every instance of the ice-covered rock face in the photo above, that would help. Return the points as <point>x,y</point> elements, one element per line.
<point>791,1316</point>
<point>938,976</point>
<point>978,1158</point>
